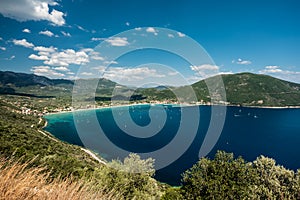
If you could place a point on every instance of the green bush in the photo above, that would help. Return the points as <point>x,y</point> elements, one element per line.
<point>131,178</point>
<point>225,177</point>
<point>172,194</point>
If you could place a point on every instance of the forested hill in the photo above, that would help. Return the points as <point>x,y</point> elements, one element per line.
<point>245,89</point>
<point>23,79</point>
<point>255,89</point>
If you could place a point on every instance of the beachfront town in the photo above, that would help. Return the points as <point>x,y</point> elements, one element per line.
<point>39,107</point>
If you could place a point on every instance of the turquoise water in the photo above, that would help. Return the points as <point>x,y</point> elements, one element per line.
<point>248,132</point>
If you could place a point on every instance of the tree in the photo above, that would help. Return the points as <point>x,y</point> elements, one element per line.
<point>221,178</point>
<point>227,178</point>
<point>274,181</point>
<point>131,178</point>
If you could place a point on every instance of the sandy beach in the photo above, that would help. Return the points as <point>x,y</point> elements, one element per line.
<point>183,105</point>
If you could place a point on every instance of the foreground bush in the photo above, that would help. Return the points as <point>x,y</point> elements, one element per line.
<point>132,178</point>
<point>225,177</point>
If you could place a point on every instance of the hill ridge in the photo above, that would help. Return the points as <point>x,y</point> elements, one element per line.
<point>244,88</point>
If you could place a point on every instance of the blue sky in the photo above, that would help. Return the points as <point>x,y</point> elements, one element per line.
<point>58,39</point>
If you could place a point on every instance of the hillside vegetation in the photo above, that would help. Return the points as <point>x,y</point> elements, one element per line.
<point>226,177</point>
<point>32,163</point>
<point>22,142</point>
<point>241,89</point>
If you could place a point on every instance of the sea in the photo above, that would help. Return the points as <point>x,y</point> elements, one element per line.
<point>245,131</point>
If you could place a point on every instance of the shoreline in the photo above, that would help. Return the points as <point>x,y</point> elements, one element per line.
<point>179,105</point>
<point>93,155</point>
<point>101,160</point>
<point>269,107</point>
<point>50,136</point>
<point>113,106</point>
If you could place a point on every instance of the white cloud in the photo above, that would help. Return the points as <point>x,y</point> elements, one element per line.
<point>66,34</point>
<point>170,35</point>
<point>180,34</point>
<point>46,71</point>
<point>204,67</point>
<point>131,74</point>
<point>97,39</point>
<point>3,48</point>
<point>196,78</point>
<point>72,77</point>
<point>110,62</point>
<point>138,28</point>
<point>242,62</point>
<point>152,30</point>
<point>63,69</point>
<point>99,68</point>
<point>205,70</point>
<point>127,24</point>
<point>26,30</point>
<point>271,69</point>
<point>47,33</point>
<point>173,73</point>
<point>45,50</point>
<point>87,50</point>
<point>24,10</point>
<point>23,43</point>
<point>229,72</point>
<point>92,54</point>
<point>277,69</point>
<point>62,58</point>
<point>117,41</point>
<point>81,28</point>
<point>10,58</point>
<point>66,57</point>
<point>36,57</point>
<point>95,56</point>
<point>278,72</point>
<point>86,73</point>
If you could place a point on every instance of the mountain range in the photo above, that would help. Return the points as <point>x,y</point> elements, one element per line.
<point>241,89</point>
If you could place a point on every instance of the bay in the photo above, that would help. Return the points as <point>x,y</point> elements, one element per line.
<point>247,132</point>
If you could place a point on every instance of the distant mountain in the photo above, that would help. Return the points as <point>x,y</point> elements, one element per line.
<point>22,79</point>
<point>241,89</point>
<point>39,86</point>
<point>254,89</point>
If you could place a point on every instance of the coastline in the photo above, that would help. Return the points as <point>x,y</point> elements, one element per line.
<point>113,106</point>
<point>93,155</point>
<point>234,107</point>
<point>178,105</point>
<point>268,107</point>
<point>50,136</point>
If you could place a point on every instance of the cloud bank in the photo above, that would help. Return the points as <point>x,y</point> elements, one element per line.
<point>24,10</point>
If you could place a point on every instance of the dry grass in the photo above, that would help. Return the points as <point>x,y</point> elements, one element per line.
<point>18,182</point>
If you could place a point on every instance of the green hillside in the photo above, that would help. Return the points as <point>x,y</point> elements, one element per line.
<point>22,140</point>
<point>255,90</point>
<point>241,89</point>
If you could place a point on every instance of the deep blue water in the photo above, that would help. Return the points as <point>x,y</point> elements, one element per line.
<point>248,132</point>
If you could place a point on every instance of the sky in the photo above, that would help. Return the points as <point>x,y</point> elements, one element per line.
<point>137,42</point>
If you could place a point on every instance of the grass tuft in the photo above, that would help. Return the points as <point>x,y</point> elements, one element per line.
<point>17,181</point>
